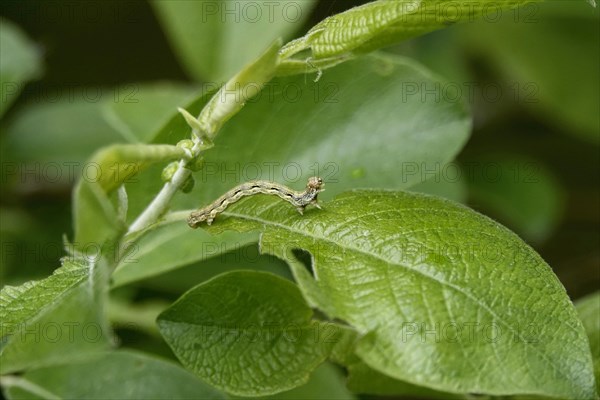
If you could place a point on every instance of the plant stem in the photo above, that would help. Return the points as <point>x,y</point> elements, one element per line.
<point>161,202</point>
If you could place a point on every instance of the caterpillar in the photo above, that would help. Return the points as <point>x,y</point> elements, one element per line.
<point>300,200</point>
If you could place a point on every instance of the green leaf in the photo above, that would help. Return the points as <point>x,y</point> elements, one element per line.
<point>248,333</point>
<point>589,312</point>
<point>356,127</point>
<point>520,191</point>
<point>438,291</point>
<point>147,256</point>
<point>116,375</point>
<point>381,23</point>
<point>214,39</point>
<point>20,62</point>
<point>139,111</point>
<point>55,319</point>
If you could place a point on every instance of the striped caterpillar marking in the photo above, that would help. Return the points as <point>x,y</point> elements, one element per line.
<point>298,199</point>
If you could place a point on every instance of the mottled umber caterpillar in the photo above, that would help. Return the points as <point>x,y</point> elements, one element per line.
<point>298,199</point>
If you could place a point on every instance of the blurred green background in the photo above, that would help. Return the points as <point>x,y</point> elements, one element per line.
<point>530,78</point>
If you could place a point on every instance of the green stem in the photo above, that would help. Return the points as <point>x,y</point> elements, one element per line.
<point>161,202</point>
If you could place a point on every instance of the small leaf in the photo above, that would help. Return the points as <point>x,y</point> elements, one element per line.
<point>116,375</point>
<point>215,39</point>
<point>248,333</point>
<point>20,62</point>
<point>54,319</point>
<point>433,288</point>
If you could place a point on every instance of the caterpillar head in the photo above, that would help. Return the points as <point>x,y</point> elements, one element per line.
<point>315,184</point>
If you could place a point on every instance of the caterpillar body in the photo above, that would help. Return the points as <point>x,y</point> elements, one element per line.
<point>298,199</point>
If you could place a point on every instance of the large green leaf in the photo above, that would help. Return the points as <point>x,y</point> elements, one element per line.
<point>357,135</point>
<point>214,39</point>
<point>20,62</point>
<point>116,375</point>
<point>366,123</point>
<point>382,23</point>
<point>589,312</point>
<point>438,291</point>
<point>55,319</point>
<point>249,333</point>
